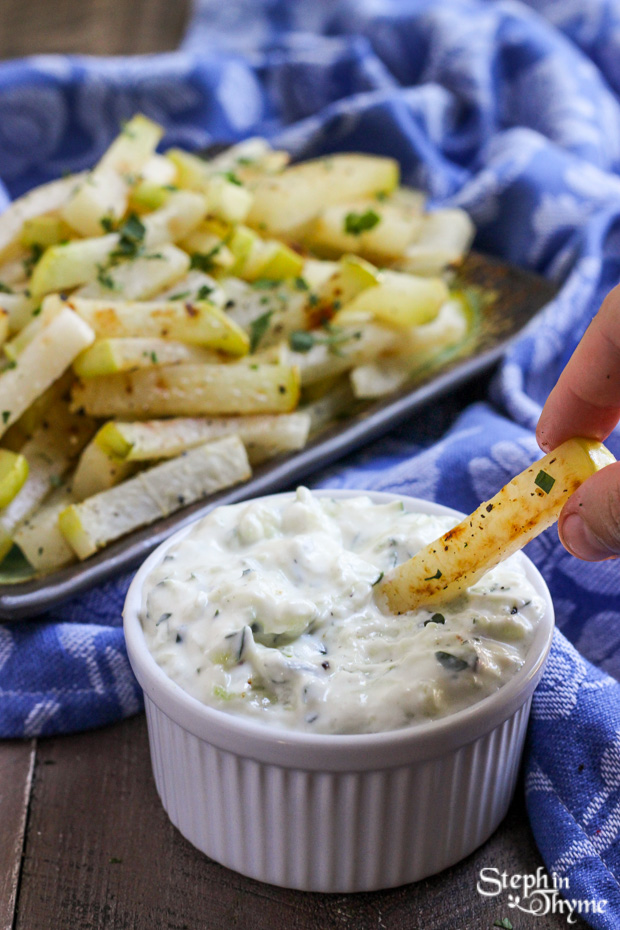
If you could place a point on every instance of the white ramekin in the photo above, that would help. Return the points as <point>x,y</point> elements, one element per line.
<point>334,813</point>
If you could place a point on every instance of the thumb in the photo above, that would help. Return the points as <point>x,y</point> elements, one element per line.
<point>589,525</point>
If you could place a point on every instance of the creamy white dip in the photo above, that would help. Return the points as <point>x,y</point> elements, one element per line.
<point>268,609</point>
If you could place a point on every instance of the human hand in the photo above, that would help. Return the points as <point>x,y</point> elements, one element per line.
<point>586,402</point>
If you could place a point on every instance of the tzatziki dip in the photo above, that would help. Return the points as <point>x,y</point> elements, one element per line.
<point>270,609</point>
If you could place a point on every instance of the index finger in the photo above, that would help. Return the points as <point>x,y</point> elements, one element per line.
<point>586,398</point>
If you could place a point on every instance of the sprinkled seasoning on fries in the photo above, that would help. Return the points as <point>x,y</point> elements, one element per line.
<point>522,509</point>
<point>167,322</point>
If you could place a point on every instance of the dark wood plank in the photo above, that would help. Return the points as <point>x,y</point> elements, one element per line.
<point>102,27</point>
<point>102,855</point>
<point>16,766</point>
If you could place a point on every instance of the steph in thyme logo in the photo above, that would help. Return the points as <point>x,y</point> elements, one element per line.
<point>536,893</point>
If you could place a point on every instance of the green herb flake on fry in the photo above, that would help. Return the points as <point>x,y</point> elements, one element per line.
<point>258,328</point>
<point>544,481</point>
<point>357,223</point>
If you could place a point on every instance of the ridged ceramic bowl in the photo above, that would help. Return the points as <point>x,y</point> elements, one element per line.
<point>334,813</point>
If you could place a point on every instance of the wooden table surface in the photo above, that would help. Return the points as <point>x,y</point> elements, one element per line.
<point>101,27</point>
<point>86,845</point>
<point>84,841</point>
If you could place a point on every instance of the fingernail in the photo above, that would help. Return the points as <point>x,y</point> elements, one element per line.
<point>581,541</point>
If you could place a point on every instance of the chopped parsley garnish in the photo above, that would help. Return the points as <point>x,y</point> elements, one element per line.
<point>241,645</point>
<point>436,618</point>
<point>55,481</point>
<point>107,223</point>
<point>36,311</point>
<point>258,328</point>
<point>377,580</point>
<point>503,923</point>
<point>203,261</point>
<point>105,279</point>
<point>6,416</point>
<point>180,296</point>
<point>451,663</point>
<point>301,340</point>
<point>301,284</point>
<point>264,284</point>
<point>204,292</point>
<point>433,577</point>
<point>357,223</point>
<point>544,481</point>
<point>232,177</point>
<point>133,228</point>
<point>153,357</point>
<point>36,251</point>
<point>5,289</point>
<point>132,232</point>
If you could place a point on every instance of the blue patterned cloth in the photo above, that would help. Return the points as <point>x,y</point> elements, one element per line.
<point>509,110</point>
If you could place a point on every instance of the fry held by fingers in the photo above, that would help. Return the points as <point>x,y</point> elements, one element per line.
<point>526,506</point>
<point>586,399</point>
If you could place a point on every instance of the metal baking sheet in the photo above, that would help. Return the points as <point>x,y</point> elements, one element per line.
<point>510,298</point>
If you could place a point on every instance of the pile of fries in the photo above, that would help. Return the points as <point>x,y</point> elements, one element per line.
<point>168,322</point>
